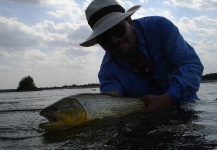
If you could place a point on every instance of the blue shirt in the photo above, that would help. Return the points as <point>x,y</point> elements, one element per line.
<point>176,68</point>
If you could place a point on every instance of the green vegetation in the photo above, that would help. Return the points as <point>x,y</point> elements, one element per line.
<point>27,84</point>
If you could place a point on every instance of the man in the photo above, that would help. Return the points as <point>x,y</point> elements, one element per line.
<point>146,57</point>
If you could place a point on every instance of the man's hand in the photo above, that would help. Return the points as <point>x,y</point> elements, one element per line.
<point>154,102</point>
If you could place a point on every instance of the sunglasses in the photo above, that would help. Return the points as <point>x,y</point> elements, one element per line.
<point>117,31</point>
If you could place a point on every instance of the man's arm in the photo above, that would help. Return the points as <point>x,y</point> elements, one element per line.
<point>186,68</point>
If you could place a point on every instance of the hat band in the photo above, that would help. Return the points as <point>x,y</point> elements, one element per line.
<point>104,11</point>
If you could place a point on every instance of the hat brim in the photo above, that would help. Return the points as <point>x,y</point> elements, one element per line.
<point>106,23</point>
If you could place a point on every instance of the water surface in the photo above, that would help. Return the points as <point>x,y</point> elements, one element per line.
<point>193,126</point>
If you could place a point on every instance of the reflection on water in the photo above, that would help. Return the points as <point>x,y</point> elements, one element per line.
<point>192,126</point>
<point>81,137</point>
<point>163,130</point>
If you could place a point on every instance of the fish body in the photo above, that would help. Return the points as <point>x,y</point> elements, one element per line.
<point>79,109</point>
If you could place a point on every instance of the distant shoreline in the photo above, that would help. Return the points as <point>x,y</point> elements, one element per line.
<point>208,81</point>
<point>77,87</point>
<point>49,88</point>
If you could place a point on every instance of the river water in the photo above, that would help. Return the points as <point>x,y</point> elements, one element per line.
<point>192,126</point>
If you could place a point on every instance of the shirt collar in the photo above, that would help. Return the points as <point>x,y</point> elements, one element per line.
<point>141,39</point>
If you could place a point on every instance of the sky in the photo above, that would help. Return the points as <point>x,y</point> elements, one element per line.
<point>40,38</point>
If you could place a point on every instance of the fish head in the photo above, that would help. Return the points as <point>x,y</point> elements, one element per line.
<point>65,113</point>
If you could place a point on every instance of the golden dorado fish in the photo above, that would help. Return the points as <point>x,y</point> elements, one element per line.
<point>79,109</point>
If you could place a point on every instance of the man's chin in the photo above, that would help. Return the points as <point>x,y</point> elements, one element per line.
<point>121,55</point>
<point>121,51</point>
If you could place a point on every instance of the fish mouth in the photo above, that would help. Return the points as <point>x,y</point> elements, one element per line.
<point>49,117</point>
<point>53,122</point>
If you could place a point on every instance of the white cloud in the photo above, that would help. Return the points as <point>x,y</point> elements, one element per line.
<point>126,4</point>
<point>32,2</point>
<point>143,1</point>
<point>206,47</point>
<point>212,32</point>
<point>202,26</point>
<point>4,54</point>
<point>205,21</point>
<point>206,5</point>
<point>69,10</point>
<point>206,50</point>
<point>57,3</point>
<point>208,55</point>
<point>17,36</point>
<point>185,24</point>
<point>4,68</point>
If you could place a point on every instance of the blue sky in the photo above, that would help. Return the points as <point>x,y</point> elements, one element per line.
<point>41,38</point>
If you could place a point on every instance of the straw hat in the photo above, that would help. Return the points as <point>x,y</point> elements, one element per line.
<point>102,15</point>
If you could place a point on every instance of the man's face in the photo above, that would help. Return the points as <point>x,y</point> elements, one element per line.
<point>120,40</point>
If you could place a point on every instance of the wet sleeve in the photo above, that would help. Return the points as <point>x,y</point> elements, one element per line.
<point>186,67</point>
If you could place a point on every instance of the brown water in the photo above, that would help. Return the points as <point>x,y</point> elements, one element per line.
<point>193,126</point>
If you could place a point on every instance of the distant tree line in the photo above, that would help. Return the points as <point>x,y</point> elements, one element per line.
<point>211,76</point>
<point>83,86</point>
<point>93,85</point>
<point>27,84</point>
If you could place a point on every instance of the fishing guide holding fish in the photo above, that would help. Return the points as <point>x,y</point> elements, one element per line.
<point>146,57</point>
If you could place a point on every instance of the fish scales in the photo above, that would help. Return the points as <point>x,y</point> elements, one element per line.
<point>99,106</point>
